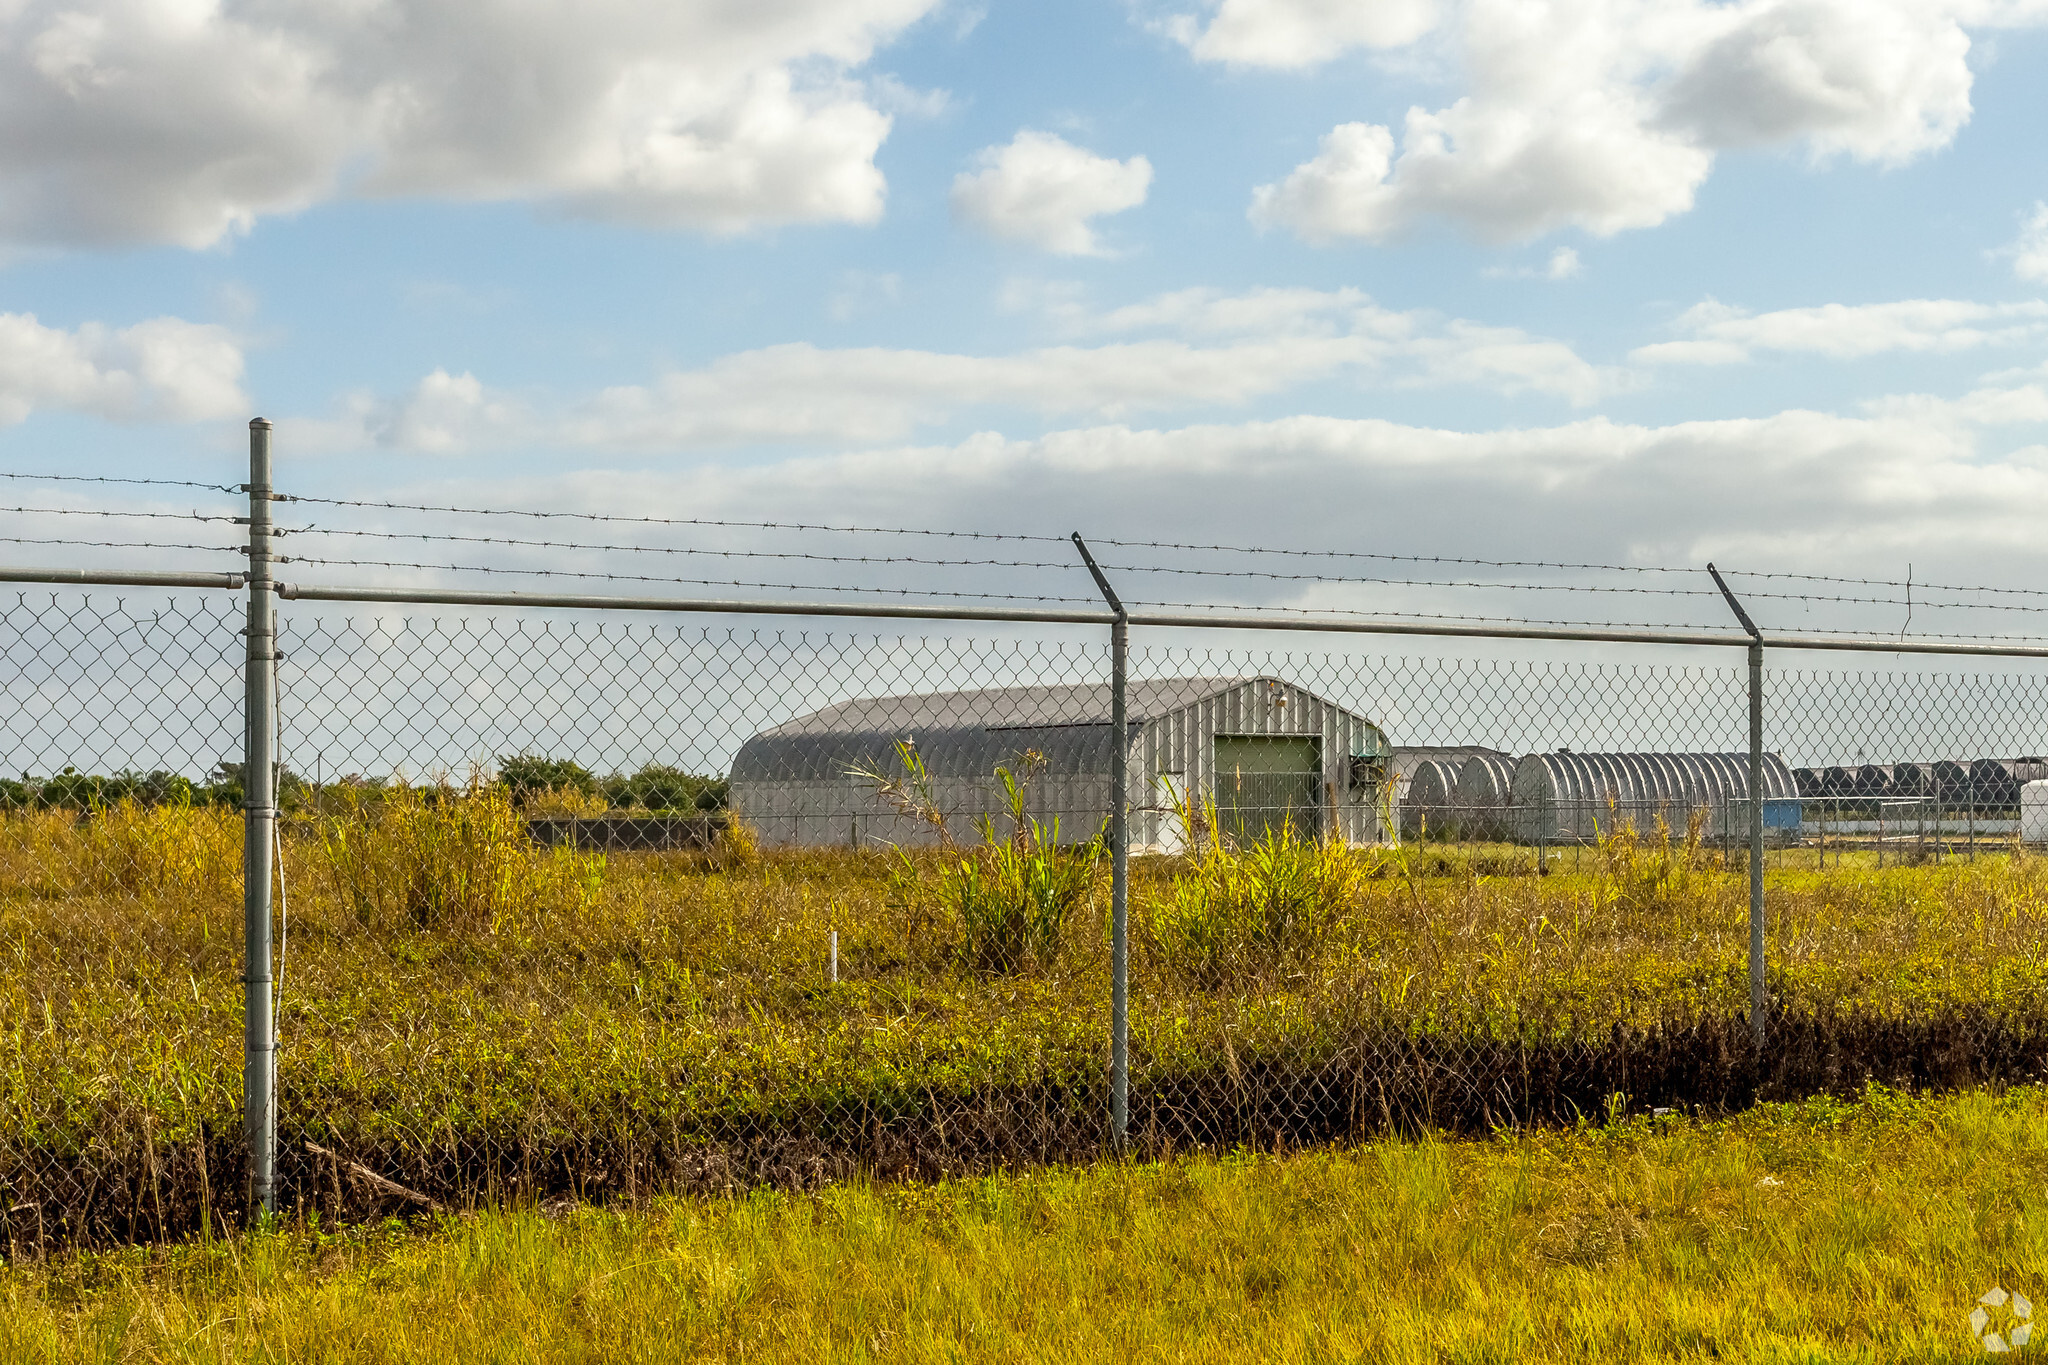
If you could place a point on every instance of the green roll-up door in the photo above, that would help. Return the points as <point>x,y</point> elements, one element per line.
<point>1266,781</point>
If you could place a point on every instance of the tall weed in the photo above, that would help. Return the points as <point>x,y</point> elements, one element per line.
<point>1651,872</point>
<point>909,790</point>
<point>172,848</point>
<point>447,857</point>
<point>1247,910</point>
<point>1014,896</point>
<point>561,803</point>
<point>125,847</point>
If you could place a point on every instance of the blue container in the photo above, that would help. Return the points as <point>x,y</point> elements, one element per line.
<point>1783,813</point>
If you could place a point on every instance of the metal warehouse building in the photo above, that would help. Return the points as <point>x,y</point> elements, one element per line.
<point>1264,749</point>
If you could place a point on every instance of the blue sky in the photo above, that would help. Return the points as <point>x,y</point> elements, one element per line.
<point>1639,280</point>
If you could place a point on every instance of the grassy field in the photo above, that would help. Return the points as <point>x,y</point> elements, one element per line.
<point>483,1020</point>
<point>1807,1232</point>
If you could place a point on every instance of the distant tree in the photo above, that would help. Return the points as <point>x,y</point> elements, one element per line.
<point>224,787</point>
<point>659,787</point>
<point>528,775</point>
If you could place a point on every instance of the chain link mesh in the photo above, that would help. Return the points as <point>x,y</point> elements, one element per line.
<point>120,905</point>
<point>589,907</point>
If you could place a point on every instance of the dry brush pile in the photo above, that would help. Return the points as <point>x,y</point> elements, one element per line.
<point>471,1017</point>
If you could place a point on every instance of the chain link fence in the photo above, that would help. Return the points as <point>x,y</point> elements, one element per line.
<point>120,886</point>
<point>578,906</point>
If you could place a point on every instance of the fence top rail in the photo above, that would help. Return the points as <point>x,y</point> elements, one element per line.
<point>1215,620</point>
<point>125,578</point>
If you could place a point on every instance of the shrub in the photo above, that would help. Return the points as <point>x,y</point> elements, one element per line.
<point>562,784</point>
<point>226,789</point>
<point>71,789</point>
<point>1251,909</point>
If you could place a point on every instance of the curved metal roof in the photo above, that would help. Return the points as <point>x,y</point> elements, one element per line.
<point>1429,794</point>
<point>1485,781</point>
<point>1585,788</point>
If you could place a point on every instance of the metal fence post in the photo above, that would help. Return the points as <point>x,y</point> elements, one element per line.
<point>259,812</point>
<point>1119,859</point>
<point>1756,845</point>
<point>1756,813</point>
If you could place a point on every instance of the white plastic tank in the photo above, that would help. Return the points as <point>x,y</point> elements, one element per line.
<point>2034,812</point>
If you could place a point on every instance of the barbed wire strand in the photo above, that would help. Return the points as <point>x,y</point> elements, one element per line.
<point>1202,607</point>
<point>1179,546</point>
<point>969,535</point>
<point>1884,583</point>
<point>672,521</point>
<point>110,478</point>
<point>1717,627</point>
<point>101,512</point>
<point>693,582</point>
<point>1176,546</point>
<point>1075,566</point>
<point>124,544</point>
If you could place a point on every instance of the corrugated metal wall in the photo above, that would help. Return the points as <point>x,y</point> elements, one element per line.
<point>1427,800</point>
<point>848,813</point>
<point>1178,749</point>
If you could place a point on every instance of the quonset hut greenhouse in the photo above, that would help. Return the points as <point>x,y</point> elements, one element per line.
<point>1264,750</point>
<point>1568,796</point>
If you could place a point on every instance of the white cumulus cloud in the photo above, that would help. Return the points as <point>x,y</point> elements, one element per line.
<point>1949,485</point>
<point>1191,350</point>
<point>1717,334</point>
<point>1288,34</point>
<point>2030,250</point>
<point>1564,264</point>
<point>165,369</point>
<point>140,121</point>
<point>1608,114</point>
<point>1044,191</point>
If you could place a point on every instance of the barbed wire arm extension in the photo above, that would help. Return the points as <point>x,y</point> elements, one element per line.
<point>1748,625</point>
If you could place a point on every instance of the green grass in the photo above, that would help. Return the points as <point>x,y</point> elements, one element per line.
<point>1817,1231</point>
<point>664,1023</point>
